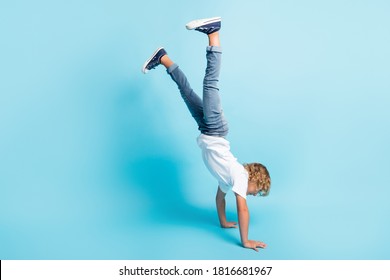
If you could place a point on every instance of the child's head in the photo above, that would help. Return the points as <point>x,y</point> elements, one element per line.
<point>258,174</point>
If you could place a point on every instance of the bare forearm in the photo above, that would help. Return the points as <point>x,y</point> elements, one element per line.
<point>221,205</point>
<point>243,222</point>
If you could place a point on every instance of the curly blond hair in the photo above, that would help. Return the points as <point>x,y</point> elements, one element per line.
<point>258,173</point>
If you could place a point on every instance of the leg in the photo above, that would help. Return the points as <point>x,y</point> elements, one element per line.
<point>192,100</point>
<point>207,113</point>
<point>213,114</point>
<point>215,122</point>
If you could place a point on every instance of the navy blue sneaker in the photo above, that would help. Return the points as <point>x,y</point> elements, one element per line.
<point>206,25</point>
<point>154,60</point>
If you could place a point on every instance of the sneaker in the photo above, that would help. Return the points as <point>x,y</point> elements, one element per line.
<point>206,25</point>
<point>154,60</point>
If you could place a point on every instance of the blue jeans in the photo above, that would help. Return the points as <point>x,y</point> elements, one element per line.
<point>207,112</point>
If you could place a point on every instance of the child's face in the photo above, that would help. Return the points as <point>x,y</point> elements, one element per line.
<point>252,189</point>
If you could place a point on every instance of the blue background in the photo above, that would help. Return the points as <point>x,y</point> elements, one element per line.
<point>98,161</point>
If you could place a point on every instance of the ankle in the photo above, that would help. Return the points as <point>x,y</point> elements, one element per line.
<point>214,39</point>
<point>166,61</point>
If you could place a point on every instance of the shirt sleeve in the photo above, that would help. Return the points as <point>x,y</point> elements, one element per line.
<point>224,188</point>
<point>240,184</point>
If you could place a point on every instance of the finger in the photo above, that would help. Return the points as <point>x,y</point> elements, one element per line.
<point>261,244</point>
<point>233,224</point>
<point>255,249</point>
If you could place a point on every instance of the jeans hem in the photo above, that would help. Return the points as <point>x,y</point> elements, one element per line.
<point>214,49</point>
<point>172,68</point>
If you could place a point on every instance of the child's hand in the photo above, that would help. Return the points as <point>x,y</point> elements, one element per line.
<point>229,225</point>
<point>252,244</point>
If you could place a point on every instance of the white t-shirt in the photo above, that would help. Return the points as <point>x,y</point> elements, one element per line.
<point>231,175</point>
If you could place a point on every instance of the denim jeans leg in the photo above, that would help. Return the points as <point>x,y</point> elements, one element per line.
<point>193,101</point>
<point>214,119</point>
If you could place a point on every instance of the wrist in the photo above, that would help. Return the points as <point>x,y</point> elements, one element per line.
<point>243,241</point>
<point>223,223</point>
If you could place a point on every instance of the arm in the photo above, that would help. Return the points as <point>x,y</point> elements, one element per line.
<point>243,221</point>
<point>221,204</point>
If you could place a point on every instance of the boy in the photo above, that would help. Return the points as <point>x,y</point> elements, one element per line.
<point>243,180</point>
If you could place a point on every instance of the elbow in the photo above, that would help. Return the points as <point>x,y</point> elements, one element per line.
<point>220,200</point>
<point>243,210</point>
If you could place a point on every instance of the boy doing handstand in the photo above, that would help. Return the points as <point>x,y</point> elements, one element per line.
<point>243,180</point>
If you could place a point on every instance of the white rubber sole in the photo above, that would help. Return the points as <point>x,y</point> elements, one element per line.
<point>144,70</point>
<point>199,22</point>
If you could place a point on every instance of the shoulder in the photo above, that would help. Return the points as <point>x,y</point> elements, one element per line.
<point>241,202</point>
<point>239,180</point>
